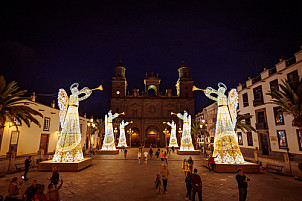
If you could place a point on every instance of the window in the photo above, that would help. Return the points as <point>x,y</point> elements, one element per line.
<point>282,139</point>
<point>240,141</point>
<point>261,117</point>
<point>245,100</point>
<point>293,76</point>
<point>46,124</point>
<point>258,96</point>
<point>299,139</point>
<point>249,138</point>
<point>279,118</point>
<point>274,85</point>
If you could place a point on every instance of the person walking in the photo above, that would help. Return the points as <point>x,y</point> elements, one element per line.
<point>14,188</point>
<point>157,153</point>
<point>162,157</point>
<point>242,184</point>
<point>197,185</point>
<point>139,155</point>
<point>190,164</point>
<point>27,166</point>
<point>146,156</point>
<point>212,162</point>
<point>30,192</point>
<point>173,149</point>
<point>188,181</point>
<point>151,152</point>
<point>166,158</point>
<point>53,193</point>
<point>185,167</point>
<point>54,179</point>
<point>165,173</point>
<point>125,153</point>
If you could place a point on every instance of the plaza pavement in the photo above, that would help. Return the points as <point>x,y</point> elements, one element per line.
<point>111,178</point>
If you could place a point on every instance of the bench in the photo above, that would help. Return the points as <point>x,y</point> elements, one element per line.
<point>19,167</point>
<point>276,168</point>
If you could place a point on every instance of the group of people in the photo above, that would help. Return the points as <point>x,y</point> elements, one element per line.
<point>35,191</point>
<point>159,153</point>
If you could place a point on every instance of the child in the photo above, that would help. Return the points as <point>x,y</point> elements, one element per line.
<point>146,156</point>
<point>157,183</point>
<point>125,153</point>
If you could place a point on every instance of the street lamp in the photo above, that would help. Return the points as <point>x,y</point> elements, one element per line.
<point>91,125</point>
<point>202,126</point>
<point>115,132</point>
<point>166,132</point>
<point>130,132</point>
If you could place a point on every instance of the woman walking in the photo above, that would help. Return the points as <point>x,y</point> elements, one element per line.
<point>185,167</point>
<point>190,164</point>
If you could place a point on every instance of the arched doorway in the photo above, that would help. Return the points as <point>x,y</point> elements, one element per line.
<point>152,133</point>
<point>135,142</point>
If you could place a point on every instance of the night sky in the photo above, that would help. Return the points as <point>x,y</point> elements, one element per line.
<point>46,45</point>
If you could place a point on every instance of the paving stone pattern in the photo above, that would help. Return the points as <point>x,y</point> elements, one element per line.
<point>113,178</point>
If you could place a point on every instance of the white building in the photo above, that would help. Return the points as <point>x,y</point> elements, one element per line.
<point>29,140</point>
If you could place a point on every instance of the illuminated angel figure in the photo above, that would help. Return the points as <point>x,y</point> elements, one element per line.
<point>69,144</point>
<point>186,140</point>
<point>122,140</point>
<point>226,147</point>
<point>173,139</point>
<point>108,143</point>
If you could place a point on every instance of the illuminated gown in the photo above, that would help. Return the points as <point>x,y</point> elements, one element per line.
<point>108,143</point>
<point>69,144</point>
<point>173,139</point>
<point>226,147</point>
<point>186,140</point>
<point>122,140</point>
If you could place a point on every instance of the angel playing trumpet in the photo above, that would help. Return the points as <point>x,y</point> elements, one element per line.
<point>69,144</point>
<point>226,147</point>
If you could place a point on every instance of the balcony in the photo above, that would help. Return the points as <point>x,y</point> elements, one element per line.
<point>257,102</point>
<point>261,125</point>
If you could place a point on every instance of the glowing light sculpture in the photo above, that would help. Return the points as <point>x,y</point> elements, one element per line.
<point>173,139</point>
<point>108,143</point>
<point>186,140</point>
<point>122,140</point>
<point>226,147</point>
<point>69,148</point>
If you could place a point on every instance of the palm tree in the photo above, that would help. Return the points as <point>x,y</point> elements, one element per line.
<point>242,123</point>
<point>100,128</point>
<point>289,99</point>
<point>12,107</point>
<point>196,131</point>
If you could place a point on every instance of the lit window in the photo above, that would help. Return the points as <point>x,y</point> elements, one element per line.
<point>279,118</point>
<point>249,138</point>
<point>46,124</point>
<point>240,141</point>
<point>282,139</point>
<point>299,139</point>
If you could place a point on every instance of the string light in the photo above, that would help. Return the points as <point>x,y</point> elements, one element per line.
<point>173,139</point>
<point>226,147</point>
<point>69,148</point>
<point>186,140</point>
<point>122,140</point>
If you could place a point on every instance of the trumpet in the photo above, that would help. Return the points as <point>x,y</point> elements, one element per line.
<point>130,122</point>
<point>195,89</point>
<point>98,88</point>
<point>123,113</point>
<point>172,113</point>
<point>164,122</point>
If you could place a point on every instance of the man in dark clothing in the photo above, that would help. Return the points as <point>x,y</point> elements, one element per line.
<point>27,165</point>
<point>151,152</point>
<point>30,192</point>
<point>55,177</point>
<point>197,185</point>
<point>242,184</point>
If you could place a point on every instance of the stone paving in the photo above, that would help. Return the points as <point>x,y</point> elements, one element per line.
<point>113,178</point>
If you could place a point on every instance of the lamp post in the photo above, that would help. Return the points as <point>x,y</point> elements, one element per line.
<point>130,132</point>
<point>115,132</point>
<point>166,132</point>
<point>202,126</point>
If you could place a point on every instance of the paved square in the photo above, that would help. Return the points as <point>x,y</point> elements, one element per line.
<point>112,178</point>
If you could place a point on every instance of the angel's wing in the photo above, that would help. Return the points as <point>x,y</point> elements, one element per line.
<point>233,103</point>
<point>63,105</point>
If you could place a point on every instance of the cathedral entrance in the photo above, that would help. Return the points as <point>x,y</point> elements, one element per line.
<point>135,136</point>
<point>152,133</point>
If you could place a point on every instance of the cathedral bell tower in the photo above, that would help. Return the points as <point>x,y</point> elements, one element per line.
<point>119,82</point>
<point>184,83</point>
<point>152,85</point>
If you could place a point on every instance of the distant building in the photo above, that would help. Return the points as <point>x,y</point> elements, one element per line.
<point>29,140</point>
<point>149,109</point>
<point>209,114</point>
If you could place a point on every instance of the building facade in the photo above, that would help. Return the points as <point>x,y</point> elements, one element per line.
<point>149,109</point>
<point>31,140</point>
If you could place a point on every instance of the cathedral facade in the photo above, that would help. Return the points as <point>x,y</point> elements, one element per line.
<point>149,109</point>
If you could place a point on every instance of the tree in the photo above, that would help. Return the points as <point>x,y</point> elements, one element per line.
<point>100,128</point>
<point>12,105</point>
<point>196,131</point>
<point>242,123</point>
<point>289,99</point>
